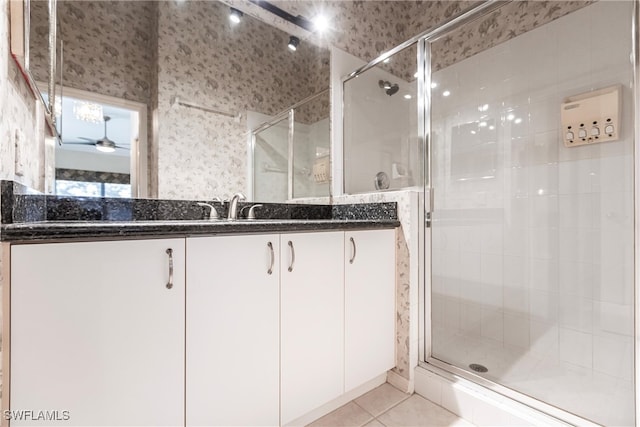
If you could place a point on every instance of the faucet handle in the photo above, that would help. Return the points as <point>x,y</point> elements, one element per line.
<point>213,213</point>
<point>217,199</point>
<point>251,214</point>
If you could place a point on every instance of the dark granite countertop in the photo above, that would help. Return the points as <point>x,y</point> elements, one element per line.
<point>96,230</point>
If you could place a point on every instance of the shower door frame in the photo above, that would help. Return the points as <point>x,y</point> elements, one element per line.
<point>426,361</point>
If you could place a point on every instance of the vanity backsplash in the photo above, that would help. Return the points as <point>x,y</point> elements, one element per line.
<point>19,204</point>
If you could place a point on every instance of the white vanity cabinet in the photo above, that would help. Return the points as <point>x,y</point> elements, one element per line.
<point>97,329</point>
<point>369,301</point>
<point>232,348</point>
<point>199,331</point>
<point>312,321</point>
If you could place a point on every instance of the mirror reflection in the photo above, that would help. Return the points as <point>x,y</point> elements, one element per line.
<point>39,44</point>
<point>291,153</point>
<point>99,137</point>
<point>155,53</point>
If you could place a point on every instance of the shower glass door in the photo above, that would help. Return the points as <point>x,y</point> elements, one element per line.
<point>271,161</point>
<point>532,231</point>
<point>382,150</point>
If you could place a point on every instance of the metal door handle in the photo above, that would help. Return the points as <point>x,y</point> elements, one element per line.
<point>270,246</point>
<point>353,244</point>
<point>170,282</point>
<point>293,256</point>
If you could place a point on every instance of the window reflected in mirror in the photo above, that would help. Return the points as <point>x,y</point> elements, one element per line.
<point>95,158</point>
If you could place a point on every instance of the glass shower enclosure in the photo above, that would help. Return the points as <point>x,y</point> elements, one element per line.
<point>527,114</point>
<point>532,223</point>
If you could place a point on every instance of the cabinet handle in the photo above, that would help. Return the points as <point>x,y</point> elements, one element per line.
<point>353,244</point>
<point>293,256</point>
<point>270,246</point>
<point>170,282</point>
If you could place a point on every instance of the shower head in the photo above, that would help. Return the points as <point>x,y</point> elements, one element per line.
<point>393,89</point>
<point>389,89</point>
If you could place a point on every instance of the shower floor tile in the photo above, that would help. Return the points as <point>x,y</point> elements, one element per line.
<point>599,397</point>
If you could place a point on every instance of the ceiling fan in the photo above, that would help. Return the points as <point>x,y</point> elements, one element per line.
<point>103,144</point>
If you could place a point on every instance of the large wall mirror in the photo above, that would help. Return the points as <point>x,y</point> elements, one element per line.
<point>190,78</point>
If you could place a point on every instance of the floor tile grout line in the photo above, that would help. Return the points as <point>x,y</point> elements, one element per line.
<point>375,417</point>
<point>378,420</point>
<point>407,396</point>
<point>360,406</point>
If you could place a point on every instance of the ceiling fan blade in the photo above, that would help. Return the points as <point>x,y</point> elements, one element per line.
<point>88,139</point>
<point>121,147</point>
<point>78,143</point>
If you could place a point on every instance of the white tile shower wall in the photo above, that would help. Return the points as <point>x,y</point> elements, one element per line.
<point>535,241</point>
<point>379,131</point>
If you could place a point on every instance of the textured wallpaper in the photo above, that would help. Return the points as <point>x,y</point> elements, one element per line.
<point>366,29</point>
<point>38,40</point>
<point>108,47</point>
<point>204,60</point>
<point>506,23</point>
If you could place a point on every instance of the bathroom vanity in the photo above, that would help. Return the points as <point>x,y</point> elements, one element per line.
<point>195,322</point>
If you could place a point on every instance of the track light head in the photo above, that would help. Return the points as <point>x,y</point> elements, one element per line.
<point>235,15</point>
<point>293,43</point>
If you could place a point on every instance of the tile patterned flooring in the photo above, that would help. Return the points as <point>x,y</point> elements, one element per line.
<point>388,406</point>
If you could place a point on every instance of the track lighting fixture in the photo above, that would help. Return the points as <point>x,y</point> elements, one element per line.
<point>293,43</point>
<point>235,15</point>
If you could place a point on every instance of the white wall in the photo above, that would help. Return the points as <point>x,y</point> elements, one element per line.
<point>537,257</point>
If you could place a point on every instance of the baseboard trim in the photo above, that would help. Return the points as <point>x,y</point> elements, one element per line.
<point>338,402</point>
<point>399,382</point>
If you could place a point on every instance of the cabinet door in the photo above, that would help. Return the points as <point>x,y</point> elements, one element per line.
<point>232,330</point>
<point>95,331</point>
<point>369,305</point>
<point>312,321</point>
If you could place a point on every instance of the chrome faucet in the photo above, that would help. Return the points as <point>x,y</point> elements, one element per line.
<point>233,206</point>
